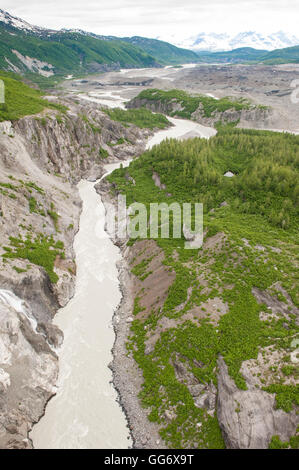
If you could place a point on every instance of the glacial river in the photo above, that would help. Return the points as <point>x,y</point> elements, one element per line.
<point>85,412</point>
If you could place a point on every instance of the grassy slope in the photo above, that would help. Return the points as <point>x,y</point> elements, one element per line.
<point>21,100</point>
<point>141,117</point>
<point>263,209</point>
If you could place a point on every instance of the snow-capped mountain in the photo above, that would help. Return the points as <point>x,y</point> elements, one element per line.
<point>226,42</point>
<point>17,22</point>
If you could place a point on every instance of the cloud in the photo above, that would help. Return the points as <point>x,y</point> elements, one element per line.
<point>164,18</point>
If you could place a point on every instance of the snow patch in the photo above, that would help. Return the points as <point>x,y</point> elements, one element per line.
<point>19,305</point>
<point>16,22</point>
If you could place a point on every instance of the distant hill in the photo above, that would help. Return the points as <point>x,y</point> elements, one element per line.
<point>282,56</point>
<point>243,54</point>
<point>250,55</point>
<point>164,53</point>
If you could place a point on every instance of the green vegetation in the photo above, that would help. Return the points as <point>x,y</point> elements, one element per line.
<point>33,206</point>
<point>286,395</point>
<point>4,187</point>
<point>34,186</point>
<point>19,270</point>
<point>141,117</point>
<point>264,164</point>
<point>54,216</point>
<point>103,153</point>
<point>41,251</point>
<point>255,246</point>
<point>293,443</point>
<point>21,100</point>
<point>140,270</point>
<point>190,103</point>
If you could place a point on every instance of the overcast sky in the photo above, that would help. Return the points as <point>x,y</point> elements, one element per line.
<point>159,18</point>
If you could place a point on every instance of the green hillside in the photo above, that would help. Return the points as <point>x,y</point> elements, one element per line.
<point>250,55</point>
<point>282,56</point>
<point>21,100</point>
<point>243,54</point>
<point>68,52</point>
<point>165,53</point>
<point>141,117</point>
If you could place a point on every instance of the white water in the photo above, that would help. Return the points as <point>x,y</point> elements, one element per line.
<point>9,298</point>
<point>85,413</point>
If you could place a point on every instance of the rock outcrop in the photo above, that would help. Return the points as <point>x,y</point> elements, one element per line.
<point>28,372</point>
<point>248,418</point>
<point>259,116</point>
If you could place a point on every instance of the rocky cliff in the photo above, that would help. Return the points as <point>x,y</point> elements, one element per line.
<point>260,117</point>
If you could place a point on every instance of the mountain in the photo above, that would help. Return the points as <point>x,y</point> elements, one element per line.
<point>250,55</point>
<point>243,54</point>
<point>16,22</point>
<point>164,52</point>
<point>282,56</point>
<point>25,48</point>
<point>225,42</point>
